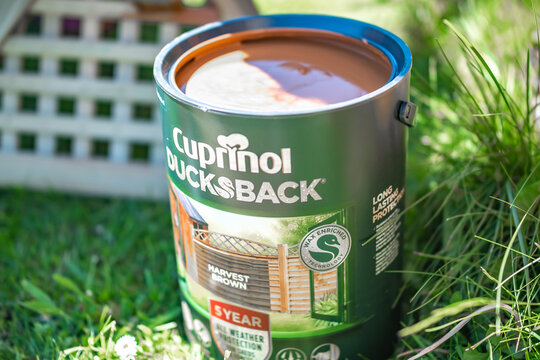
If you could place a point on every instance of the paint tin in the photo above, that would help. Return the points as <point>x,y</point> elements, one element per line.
<point>287,224</point>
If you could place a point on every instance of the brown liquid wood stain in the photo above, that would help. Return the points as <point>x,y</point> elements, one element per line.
<point>279,70</point>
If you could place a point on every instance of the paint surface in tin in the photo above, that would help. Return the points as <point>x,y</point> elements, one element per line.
<point>272,218</point>
<point>281,70</point>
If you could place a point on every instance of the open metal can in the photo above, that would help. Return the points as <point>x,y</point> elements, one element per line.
<point>287,221</point>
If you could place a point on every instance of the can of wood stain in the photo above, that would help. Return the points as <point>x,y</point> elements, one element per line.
<point>285,139</point>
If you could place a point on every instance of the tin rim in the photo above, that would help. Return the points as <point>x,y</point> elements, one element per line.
<point>393,47</point>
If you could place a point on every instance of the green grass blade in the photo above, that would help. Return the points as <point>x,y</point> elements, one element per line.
<point>441,313</point>
<point>68,284</point>
<point>38,294</point>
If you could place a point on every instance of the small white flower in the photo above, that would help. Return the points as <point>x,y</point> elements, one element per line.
<point>196,353</point>
<point>126,347</point>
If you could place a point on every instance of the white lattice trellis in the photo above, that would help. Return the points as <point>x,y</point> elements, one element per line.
<point>78,110</point>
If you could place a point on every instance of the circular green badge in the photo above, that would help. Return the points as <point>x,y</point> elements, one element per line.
<point>325,247</point>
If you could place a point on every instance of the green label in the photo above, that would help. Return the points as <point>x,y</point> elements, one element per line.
<point>285,229</point>
<point>231,154</point>
<point>276,277</point>
<point>295,166</point>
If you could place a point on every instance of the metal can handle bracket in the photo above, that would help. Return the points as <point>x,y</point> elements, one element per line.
<point>406,113</point>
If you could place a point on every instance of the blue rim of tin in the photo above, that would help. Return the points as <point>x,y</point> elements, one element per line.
<point>391,45</point>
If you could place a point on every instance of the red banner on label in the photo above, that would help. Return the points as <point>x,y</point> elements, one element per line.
<point>243,332</point>
<point>239,316</point>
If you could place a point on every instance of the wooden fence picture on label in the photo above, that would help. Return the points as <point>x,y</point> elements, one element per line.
<point>260,276</point>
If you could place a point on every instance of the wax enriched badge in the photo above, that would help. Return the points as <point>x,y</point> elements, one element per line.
<point>325,247</point>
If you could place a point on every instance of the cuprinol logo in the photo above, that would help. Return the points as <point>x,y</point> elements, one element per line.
<point>231,153</point>
<point>325,247</point>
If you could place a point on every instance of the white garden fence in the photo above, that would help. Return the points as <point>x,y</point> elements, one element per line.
<point>78,107</point>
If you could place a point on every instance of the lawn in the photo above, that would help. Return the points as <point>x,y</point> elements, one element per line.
<point>68,262</point>
<point>78,272</point>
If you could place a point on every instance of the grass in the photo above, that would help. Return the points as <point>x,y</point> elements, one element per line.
<point>78,273</point>
<point>327,305</point>
<point>474,277</point>
<point>388,14</point>
<point>69,263</point>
